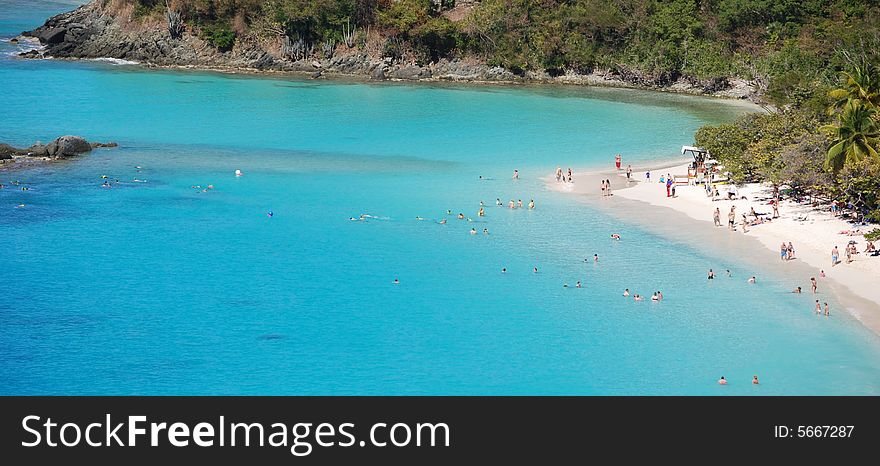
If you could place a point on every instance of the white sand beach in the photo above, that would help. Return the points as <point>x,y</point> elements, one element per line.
<point>813,231</point>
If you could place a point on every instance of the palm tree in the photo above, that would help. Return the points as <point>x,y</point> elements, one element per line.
<point>855,137</point>
<point>862,84</point>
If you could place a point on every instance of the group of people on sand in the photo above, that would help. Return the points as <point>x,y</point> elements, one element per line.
<point>606,188</point>
<point>561,177</point>
<point>786,251</point>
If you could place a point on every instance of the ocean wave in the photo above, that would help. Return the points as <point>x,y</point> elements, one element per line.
<point>116,61</point>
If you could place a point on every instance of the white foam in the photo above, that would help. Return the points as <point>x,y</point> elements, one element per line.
<point>116,61</point>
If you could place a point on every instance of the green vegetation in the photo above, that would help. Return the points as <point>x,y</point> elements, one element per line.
<point>832,154</point>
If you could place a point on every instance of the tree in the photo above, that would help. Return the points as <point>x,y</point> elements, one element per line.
<point>854,138</point>
<point>861,84</point>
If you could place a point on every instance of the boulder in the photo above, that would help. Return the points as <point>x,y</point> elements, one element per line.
<point>412,72</point>
<point>37,150</point>
<point>68,145</point>
<point>52,36</point>
<point>378,74</point>
<point>7,151</point>
<point>96,145</point>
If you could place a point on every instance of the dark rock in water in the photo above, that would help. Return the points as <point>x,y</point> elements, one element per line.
<point>68,145</point>
<point>316,74</point>
<point>37,150</point>
<point>14,40</point>
<point>31,54</point>
<point>96,145</point>
<point>52,36</point>
<point>7,151</point>
<point>378,74</point>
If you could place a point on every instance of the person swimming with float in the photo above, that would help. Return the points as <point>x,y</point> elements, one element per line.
<point>626,292</point>
<point>473,231</point>
<point>615,236</point>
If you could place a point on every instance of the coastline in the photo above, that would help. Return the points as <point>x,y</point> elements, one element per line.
<point>688,217</point>
<point>93,32</point>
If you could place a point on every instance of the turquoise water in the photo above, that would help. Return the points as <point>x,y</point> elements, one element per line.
<point>159,288</point>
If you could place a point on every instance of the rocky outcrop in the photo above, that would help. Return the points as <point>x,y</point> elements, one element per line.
<point>63,147</point>
<point>92,32</point>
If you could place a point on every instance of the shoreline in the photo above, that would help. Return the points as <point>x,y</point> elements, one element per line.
<point>853,285</point>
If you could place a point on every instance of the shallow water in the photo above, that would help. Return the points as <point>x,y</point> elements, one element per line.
<point>160,288</point>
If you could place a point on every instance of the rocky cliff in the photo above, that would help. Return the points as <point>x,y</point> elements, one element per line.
<point>92,31</point>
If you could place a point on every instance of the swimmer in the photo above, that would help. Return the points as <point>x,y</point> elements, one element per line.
<point>481,213</point>
<point>519,203</point>
<point>818,307</point>
<point>565,285</point>
<point>448,212</point>
<point>28,189</point>
<point>238,172</point>
<point>796,290</point>
<point>595,258</point>
<point>461,216</point>
<point>511,205</point>
<point>137,167</point>
<point>536,270</point>
<point>485,231</point>
<point>419,218</point>
<point>442,222</point>
<point>139,181</point>
<point>722,381</point>
<point>532,204</point>
<point>578,284</point>
<point>654,297</point>
<point>755,380</point>
<point>659,295</point>
<point>396,282</point>
<point>482,205</point>
<point>822,273</point>
<point>270,214</point>
<point>104,177</point>
<point>727,272</point>
<point>615,236</point>
<point>498,201</point>
<point>711,275</point>
<point>626,292</point>
<point>516,174</point>
<point>827,312</point>
<point>638,298</point>
<point>504,270</point>
<point>473,231</point>
<point>20,206</point>
<point>752,280</point>
<point>353,219</point>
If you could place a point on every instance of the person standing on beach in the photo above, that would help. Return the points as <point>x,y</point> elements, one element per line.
<point>790,251</point>
<point>647,177</point>
<point>617,161</point>
<point>558,173</point>
<point>827,313</point>
<point>818,308</point>
<point>783,251</point>
<point>731,218</point>
<point>776,208</point>
<point>603,188</point>
<point>835,255</point>
<point>629,172</point>
<point>745,221</point>
<point>608,187</point>
<point>668,186</point>
<point>717,217</point>
<point>813,284</point>
<point>569,174</point>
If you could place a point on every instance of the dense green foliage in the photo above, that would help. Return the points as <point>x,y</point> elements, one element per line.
<point>833,154</point>
<point>790,48</point>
